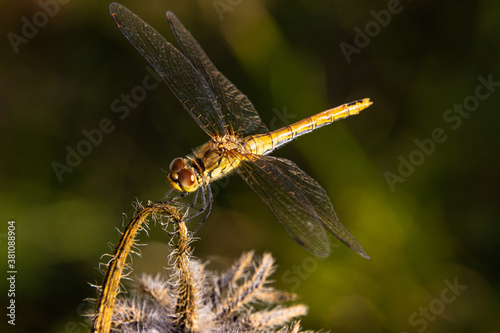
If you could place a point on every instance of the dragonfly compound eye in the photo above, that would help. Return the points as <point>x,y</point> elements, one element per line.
<point>187,178</point>
<point>177,164</point>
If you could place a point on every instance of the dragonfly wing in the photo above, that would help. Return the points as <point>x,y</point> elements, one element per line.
<point>239,112</point>
<point>299,203</point>
<point>190,87</point>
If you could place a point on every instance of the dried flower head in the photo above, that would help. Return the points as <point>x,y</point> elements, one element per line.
<point>238,300</point>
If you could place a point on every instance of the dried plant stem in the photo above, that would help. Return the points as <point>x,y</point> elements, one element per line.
<point>186,300</point>
<point>111,283</point>
<point>193,299</point>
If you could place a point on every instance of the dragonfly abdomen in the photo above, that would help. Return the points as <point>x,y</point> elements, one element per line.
<point>262,144</point>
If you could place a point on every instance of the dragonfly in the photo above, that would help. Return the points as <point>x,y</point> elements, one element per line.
<point>239,140</point>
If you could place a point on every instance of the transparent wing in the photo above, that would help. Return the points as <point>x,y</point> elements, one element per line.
<point>237,109</point>
<point>190,87</point>
<point>299,203</point>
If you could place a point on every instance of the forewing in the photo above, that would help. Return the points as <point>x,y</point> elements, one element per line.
<point>299,203</point>
<point>239,112</point>
<point>190,87</point>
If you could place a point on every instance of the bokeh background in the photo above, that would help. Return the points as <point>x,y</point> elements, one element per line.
<point>432,233</point>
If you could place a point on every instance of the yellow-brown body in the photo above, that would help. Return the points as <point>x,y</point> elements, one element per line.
<point>217,158</point>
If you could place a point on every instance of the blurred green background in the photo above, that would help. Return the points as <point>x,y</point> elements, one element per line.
<point>426,213</point>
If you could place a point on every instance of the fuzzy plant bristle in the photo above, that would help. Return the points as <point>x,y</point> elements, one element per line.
<point>191,298</point>
<point>246,304</point>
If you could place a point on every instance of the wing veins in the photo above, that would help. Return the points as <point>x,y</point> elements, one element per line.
<point>185,81</point>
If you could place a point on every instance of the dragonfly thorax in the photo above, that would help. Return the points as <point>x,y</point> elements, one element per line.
<point>217,158</point>
<point>211,161</point>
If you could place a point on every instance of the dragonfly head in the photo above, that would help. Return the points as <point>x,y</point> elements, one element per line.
<point>182,176</point>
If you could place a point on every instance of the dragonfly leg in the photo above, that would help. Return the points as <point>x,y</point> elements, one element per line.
<point>206,204</point>
<point>166,200</point>
<point>207,207</point>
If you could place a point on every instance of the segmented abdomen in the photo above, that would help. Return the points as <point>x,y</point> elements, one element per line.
<point>262,144</point>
